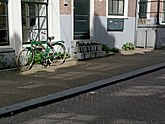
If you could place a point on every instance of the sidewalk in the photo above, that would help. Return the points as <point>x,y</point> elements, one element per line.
<point>23,90</point>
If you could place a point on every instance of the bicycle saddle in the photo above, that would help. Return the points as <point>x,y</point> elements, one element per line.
<point>51,38</point>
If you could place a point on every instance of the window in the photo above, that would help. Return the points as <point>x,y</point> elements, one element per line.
<point>116,7</point>
<point>4,32</point>
<point>163,20</point>
<point>34,18</point>
<point>143,9</point>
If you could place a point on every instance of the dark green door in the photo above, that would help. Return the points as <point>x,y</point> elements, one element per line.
<point>81,19</point>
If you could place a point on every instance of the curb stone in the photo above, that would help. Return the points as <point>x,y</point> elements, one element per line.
<point>33,103</point>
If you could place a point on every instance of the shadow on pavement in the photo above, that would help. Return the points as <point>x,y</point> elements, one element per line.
<point>18,86</point>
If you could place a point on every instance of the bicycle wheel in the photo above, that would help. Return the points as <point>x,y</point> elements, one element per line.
<point>25,59</point>
<point>58,54</point>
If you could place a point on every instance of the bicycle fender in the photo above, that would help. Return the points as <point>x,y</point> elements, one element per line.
<point>29,48</point>
<point>58,42</point>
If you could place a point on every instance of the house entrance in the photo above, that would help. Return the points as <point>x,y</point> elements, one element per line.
<point>150,15</point>
<point>81,19</point>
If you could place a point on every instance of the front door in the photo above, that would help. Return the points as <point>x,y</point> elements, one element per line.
<point>81,19</point>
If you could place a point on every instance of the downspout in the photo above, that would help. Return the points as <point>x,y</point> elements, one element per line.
<point>157,22</point>
<point>158,9</point>
<point>135,32</point>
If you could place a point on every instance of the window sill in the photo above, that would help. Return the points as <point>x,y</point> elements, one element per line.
<point>4,50</point>
<point>123,17</point>
<point>162,23</point>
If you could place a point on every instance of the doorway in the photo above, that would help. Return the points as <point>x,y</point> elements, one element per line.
<point>81,19</point>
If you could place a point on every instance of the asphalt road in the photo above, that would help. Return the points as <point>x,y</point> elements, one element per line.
<point>140,100</point>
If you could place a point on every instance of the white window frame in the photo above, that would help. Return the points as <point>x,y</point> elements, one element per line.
<point>162,21</point>
<point>118,16</point>
<point>38,20</point>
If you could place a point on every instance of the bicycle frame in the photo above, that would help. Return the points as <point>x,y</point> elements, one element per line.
<point>44,54</point>
<point>50,53</point>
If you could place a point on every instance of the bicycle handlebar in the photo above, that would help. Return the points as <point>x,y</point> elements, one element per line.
<point>51,38</point>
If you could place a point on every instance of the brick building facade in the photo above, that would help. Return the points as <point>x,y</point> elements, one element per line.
<point>77,20</point>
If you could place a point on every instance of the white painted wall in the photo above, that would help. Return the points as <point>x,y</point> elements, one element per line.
<point>66,31</point>
<point>114,38</point>
<point>54,18</point>
<point>91,19</point>
<point>15,27</point>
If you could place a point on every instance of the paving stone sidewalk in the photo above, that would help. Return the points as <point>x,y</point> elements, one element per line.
<point>17,87</point>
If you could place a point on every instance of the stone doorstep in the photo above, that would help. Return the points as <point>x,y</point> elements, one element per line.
<point>88,55</point>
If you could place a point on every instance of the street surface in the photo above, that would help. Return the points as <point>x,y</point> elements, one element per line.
<point>140,100</point>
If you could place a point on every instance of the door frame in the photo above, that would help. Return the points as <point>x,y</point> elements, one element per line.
<point>91,19</point>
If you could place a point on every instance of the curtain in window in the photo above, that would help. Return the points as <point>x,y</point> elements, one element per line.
<point>115,7</point>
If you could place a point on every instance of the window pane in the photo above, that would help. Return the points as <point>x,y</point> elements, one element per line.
<point>32,9</point>
<point>3,24</point>
<point>35,34</point>
<point>42,10</point>
<point>42,23</point>
<point>35,1</point>
<point>23,9</point>
<point>110,7</point>
<point>121,9</point>
<point>143,9</point>
<point>116,7</point>
<point>163,12</point>
<point>3,37</point>
<point>3,9</point>
<point>43,35</point>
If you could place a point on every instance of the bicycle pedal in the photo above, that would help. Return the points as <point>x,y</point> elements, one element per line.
<point>44,66</point>
<point>49,63</point>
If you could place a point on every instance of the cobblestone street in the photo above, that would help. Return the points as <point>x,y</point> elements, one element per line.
<point>140,100</point>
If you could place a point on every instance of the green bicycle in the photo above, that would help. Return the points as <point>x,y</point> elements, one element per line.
<point>51,53</point>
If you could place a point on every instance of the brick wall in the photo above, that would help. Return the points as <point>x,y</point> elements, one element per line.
<point>131,8</point>
<point>100,7</point>
<point>65,9</point>
<point>154,8</point>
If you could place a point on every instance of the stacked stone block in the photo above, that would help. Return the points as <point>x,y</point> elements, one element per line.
<point>87,49</point>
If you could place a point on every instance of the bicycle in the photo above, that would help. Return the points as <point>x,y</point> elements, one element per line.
<point>51,53</point>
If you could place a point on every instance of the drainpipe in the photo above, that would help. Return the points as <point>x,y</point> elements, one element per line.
<point>158,9</point>
<point>136,14</point>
